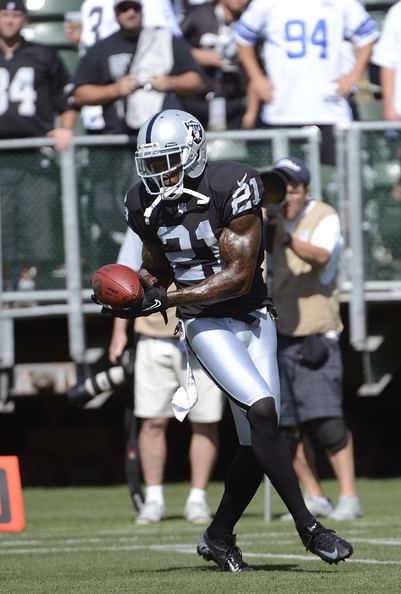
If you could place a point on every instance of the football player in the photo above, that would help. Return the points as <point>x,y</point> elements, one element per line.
<point>201,225</point>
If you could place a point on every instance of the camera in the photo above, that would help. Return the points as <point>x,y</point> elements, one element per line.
<point>103,381</point>
<point>275,190</point>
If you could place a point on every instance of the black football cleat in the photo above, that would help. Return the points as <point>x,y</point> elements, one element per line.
<point>222,551</point>
<point>325,543</point>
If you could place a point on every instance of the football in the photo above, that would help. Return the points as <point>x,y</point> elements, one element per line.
<point>117,285</point>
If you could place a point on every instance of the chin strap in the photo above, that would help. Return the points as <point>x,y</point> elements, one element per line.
<point>201,199</point>
<point>148,211</point>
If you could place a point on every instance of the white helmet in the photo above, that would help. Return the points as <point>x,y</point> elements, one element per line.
<point>171,141</point>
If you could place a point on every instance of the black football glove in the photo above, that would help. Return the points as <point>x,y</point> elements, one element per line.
<point>154,299</point>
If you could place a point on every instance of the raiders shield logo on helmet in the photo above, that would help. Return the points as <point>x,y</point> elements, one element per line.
<point>196,130</point>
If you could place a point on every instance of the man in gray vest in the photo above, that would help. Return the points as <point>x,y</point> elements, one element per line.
<point>305,252</point>
<point>135,72</point>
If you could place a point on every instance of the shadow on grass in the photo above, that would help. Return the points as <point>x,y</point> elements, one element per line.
<point>213,568</point>
<point>272,567</point>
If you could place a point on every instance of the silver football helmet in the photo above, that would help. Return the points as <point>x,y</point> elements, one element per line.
<point>171,144</point>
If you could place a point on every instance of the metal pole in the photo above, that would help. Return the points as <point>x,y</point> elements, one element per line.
<point>343,202</point>
<point>7,347</point>
<point>267,515</point>
<point>280,145</point>
<point>354,179</point>
<point>314,140</point>
<point>69,197</point>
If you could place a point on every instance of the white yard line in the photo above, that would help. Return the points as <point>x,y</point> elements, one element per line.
<point>184,549</point>
<point>379,541</point>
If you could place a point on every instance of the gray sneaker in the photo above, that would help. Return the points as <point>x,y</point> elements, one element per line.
<point>318,506</point>
<point>197,512</point>
<point>348,508</point>
<point>152,512</point>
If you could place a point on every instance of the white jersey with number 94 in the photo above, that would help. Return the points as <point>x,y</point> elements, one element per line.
<point>303,54</point>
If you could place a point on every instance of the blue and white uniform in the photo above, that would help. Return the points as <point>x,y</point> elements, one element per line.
<point>303,55</point>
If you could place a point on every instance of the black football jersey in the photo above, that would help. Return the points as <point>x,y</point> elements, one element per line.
<point>189,227</point>
<point>33,83</point>
<point>110,59</point>
<point>203,29</point>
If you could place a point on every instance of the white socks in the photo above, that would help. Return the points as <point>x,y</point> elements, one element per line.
<point>196,495</point>
<point>154,493</point>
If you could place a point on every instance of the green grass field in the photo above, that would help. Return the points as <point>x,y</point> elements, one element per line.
<point>85,540</point>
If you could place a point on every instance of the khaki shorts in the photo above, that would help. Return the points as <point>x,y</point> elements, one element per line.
<point>160,369</point>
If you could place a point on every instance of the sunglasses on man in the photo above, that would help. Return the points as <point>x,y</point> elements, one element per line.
<point>126,6</point>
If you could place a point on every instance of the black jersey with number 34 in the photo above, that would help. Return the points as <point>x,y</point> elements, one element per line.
<point>32,90</point>
<point>189,227</point>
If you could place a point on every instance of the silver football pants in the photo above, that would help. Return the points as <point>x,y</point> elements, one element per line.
<point>241,359</point>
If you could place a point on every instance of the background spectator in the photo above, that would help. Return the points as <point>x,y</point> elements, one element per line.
<point>134,72</point>
<point>160,370</point>
<point>387,55</point>
<point>34,81</point>
<point>304,82</point>
<point>209,28</point>
<point>306,248</point>
<point>99,21</point>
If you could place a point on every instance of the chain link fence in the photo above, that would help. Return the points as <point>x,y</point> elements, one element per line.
<point>381,158</point>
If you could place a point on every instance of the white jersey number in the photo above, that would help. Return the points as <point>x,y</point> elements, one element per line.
<point>183,260</point>
<point>246,195</point>
<point>20,89</point>
<point>93,27</point>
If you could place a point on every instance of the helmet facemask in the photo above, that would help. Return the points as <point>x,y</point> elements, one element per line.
<point>157,166</point>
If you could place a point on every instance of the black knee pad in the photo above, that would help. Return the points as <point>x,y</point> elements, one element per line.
<point>262,414</point>
<point>331,433</point>
<point>292,436</point>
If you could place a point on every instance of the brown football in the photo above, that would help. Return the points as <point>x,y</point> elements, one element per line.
<point>117,285</point>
